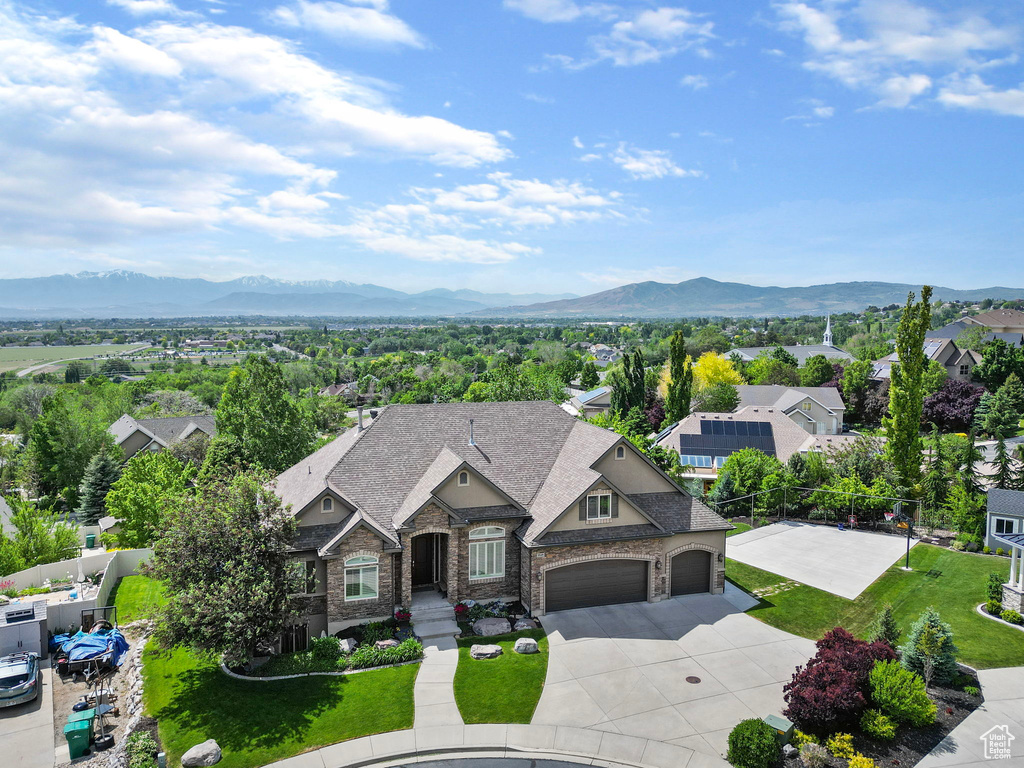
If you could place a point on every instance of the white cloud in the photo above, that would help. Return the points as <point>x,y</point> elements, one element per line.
<point>146,7</point>
<point>648,164</point>
<point>348,23</point>
<point>112,47</point>
<point>824,112</point>
<point>546,10</point>
<point>972,92</point>
<point>894,48</point>
<point>576,142</point>
<point>696,82</point>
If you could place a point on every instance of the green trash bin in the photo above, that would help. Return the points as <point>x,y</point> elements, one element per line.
<point>85,714</point>
<point>90,540</point>
<point>78,733</point>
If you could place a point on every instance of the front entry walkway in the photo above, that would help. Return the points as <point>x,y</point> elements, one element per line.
<point>844,563</point>
<point>682,672</point>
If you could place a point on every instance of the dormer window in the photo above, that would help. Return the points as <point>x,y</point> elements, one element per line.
<point>463,478</point>
<point>327,505</point>
<point>620,453</point>
<point>599,506</point>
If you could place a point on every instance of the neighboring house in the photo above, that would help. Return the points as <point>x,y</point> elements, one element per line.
<point>801,351</point>
<point>518,501</point>
<point>589,404</point>
<point>349,390</point>
<point>705,440</point>
<point>134,435</point>
<point>1005,516</point>
<point>816,410</point>
<point>999,321</point>
<point>959,363</point>
<point>602,353</point>
<point>955,330</point>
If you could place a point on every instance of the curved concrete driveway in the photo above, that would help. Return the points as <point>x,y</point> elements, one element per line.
<point>629,669</point>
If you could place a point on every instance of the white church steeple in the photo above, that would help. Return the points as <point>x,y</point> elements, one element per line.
<point>827,339</point>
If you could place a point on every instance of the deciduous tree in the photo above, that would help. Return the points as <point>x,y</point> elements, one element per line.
<point>680,385</point>
<point>150,484</point>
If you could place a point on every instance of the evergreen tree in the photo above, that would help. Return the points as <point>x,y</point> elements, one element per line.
<point>102,472</point>
<point>935,486</point>
<point>930,645</point>
<point>1005,476</point>
<point>629,387</point>
<point>885,628</point>
<point>1002,418</point>
<point>906,390</point>
<point>680,387</point>
<point>970,474</point>
<point>1013,389</point>
<point>589,378</point>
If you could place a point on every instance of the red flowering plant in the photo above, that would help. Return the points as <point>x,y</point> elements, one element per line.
<point>402,615</point>
<point>461,610</point>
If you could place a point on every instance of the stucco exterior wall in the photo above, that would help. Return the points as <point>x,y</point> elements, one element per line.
<point>134,443</point>
<point>632,474</point>
<point>628,515</point>
<point>833,424</point>
<point>312,513</point>
<point>477,494</point>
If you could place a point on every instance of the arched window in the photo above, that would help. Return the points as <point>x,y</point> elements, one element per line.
<point>361,577</point>
<point>327,504</point>
<point>463,477</point>
<point>487,552</point>
<point>620,452</point>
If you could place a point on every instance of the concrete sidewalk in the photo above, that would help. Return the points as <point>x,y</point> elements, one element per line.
<point>433,693</point>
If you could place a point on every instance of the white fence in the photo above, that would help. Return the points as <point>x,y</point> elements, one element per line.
<point>62,615</point>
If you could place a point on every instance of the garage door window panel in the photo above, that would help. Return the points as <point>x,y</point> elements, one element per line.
<point>487,553</point>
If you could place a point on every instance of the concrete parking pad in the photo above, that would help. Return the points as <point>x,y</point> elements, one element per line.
<point>682,671</point>
<point>844,563</point>
<point>26,730</point>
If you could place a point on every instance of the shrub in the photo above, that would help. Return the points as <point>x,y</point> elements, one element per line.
<point>377,630</point>
<point>141,749</point>
<point>986,550</point>
<point>995,586</point>
<point>958,546</point>
<point>813,756</point>
<point>1000,552</point>
<point>325,648</point>
<point>1012,617</point>
<point>800,738</point>
<point>972,690</point>
<point>901,694</point>
<point>831,688</point>
<point>861,761</point>
<point>885,629</point>
<point>993,607</point>
<point>930,650</point>
<point>840,745</point>
<point>369,656</point>
<point>877,725</point>
<point>753,744</point>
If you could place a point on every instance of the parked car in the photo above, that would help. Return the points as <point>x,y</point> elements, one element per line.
<point>19,678</point>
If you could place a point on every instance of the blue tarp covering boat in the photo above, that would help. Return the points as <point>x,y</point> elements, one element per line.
<point>86,647</point>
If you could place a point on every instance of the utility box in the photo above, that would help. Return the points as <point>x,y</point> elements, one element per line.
<point>783,728</point>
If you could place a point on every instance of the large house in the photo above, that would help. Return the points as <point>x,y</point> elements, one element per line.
<point>816,410</point>
<point>705,440</point>
<point>959,363</point>
<point>134,435</point>
<point>518,501</point>
<point>956,329</point>
<point>590,404</point>
<point>999,320</point>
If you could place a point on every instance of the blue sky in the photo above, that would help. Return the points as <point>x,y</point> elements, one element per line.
<point>524,145</point>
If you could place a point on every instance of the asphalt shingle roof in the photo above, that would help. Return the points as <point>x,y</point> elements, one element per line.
<point>599,533</point>
<point>1005,502</point>
<point>166,430</point>
<point>784,398</point>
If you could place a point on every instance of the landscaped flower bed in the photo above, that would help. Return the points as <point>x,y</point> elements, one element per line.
<point>468,612</point>
<point>858,704</point>
<point>325,654</point>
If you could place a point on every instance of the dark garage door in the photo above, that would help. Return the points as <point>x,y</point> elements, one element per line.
<point>598,582</point>
<point>691,572</point>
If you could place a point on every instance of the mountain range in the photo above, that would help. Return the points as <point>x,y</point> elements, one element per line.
<point>132,294</point>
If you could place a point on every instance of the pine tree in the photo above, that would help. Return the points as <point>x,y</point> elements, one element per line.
<point>930,644</point>
<point>906,390</point>
<point>970,475</point>
<point>680,388</point>
<point>101,472</point>
<point>1005,472</point>
<point>885,629</point>
<point>1002,418</point>
<point>1014,392</point>
<point>935,486</point>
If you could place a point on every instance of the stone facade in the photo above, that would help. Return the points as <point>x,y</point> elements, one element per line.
<point>433,519</point>
<point>1013,599</point>
<point>525,576</point>
<point>489,589</point>
<point>339,610</point>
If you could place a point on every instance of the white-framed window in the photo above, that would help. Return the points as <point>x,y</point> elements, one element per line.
<point>361,576</point>
<point>463,478</point>
<point>599,506</point>
<point>806,406</point>
<point>965,369</point>
<point>696,461</point>
<point>487,552</point>
<point>327,505</point>
<point>620,453</point>
<point>1003,525</point>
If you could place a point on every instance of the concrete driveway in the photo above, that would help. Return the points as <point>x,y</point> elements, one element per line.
<point>26,730</point>
<point>844,563</point>
<point>631,669</point>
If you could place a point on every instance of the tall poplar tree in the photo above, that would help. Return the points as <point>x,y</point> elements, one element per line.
<point>680,386</point>
<point>906,390</point>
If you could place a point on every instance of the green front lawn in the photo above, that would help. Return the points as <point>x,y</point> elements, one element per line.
<point>137,597</point>
<point>740,528</point>
<point>951,582</point>
<point>501,690</point>
<point>259,722</point>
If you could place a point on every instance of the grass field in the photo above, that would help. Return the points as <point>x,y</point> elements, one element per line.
<point>256,723</point>
<point>17,358</point>
<point>740,528</point>
<point>137,597</point>
<point>951,582</point>
<point>501,690</point>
